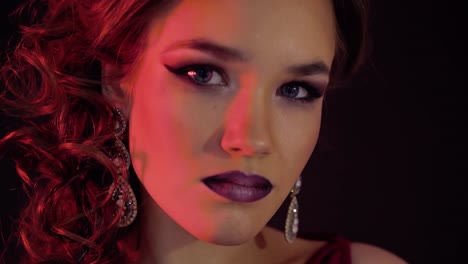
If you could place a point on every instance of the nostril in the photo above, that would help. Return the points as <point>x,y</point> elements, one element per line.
<point>236,149</point>
<point>246,141</point>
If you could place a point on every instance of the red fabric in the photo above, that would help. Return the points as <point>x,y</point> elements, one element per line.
<point>336,251</point>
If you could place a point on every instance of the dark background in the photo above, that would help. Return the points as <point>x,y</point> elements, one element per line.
<point>390,164</point>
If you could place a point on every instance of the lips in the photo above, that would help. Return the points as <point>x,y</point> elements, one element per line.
<point>238,186</point>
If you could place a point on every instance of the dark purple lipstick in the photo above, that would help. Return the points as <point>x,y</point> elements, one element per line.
<point>238,186</point>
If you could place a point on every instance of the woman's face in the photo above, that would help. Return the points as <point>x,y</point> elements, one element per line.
<point>229,85</point>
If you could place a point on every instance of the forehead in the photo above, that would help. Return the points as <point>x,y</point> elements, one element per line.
<point>286,31</point>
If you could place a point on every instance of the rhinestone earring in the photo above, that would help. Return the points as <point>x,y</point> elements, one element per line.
<point>292,220</point>
<point>122,192</point>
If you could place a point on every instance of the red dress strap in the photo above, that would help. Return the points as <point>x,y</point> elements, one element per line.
<point>336,251</point>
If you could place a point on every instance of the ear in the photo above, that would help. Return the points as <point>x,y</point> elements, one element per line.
<point>114,90</point>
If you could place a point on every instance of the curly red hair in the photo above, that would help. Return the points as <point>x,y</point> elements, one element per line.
<point>51,91</point>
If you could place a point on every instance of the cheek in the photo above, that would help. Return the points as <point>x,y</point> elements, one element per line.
<point>168,127</point>
<point>158,125</point>
<point>298,137</point>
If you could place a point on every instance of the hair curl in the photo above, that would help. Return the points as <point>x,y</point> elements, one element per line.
<point>60,132</point>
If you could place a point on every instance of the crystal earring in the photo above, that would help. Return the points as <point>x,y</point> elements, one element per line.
<point>292,220</point>
<point>122,192</point>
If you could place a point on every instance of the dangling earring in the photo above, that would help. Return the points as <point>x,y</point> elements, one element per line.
<point>122,193</point>
<point>292,220</point>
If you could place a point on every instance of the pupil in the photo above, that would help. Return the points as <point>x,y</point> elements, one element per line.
<point>202,75</point>
<point>290,91</point>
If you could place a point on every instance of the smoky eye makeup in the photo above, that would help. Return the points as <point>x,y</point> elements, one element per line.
<point>206,75</point>
<point>295,90</point>
<point>200,74</point>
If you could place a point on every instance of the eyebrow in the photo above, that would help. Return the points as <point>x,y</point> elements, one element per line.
<point>314,68</point>
<point>212,48</point>
<point>231,54</point>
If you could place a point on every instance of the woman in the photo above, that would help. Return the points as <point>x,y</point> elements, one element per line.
<point>223,101</point>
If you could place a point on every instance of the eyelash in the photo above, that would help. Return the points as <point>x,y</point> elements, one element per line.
<point>312,90</point>
<point>183,72</point>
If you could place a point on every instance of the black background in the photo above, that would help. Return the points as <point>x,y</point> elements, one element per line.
<point>390,164</point>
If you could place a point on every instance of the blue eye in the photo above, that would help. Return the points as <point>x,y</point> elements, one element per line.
<point>204,75</point>
<point>299,91</point>
<point>210,75</point>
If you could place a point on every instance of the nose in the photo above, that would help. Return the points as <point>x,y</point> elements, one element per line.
<point>247,129</point>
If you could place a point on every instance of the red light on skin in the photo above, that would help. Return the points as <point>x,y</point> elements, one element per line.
<point>184,132</point>
<point>246,120</point>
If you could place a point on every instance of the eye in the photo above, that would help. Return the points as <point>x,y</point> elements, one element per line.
<point>299,91</point>
<point>204,75</point>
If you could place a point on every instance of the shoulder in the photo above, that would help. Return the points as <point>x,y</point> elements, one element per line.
<point>362,253</point>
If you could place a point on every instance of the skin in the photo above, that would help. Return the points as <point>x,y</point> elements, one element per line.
<point>181,132</point>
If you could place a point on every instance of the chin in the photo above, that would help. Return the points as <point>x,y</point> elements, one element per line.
<point>229,238</point>
<point>232,233</point>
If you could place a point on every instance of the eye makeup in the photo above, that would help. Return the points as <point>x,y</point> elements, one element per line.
<point>194,72</point>
<point>313,91</point>
<point>202,75</point>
